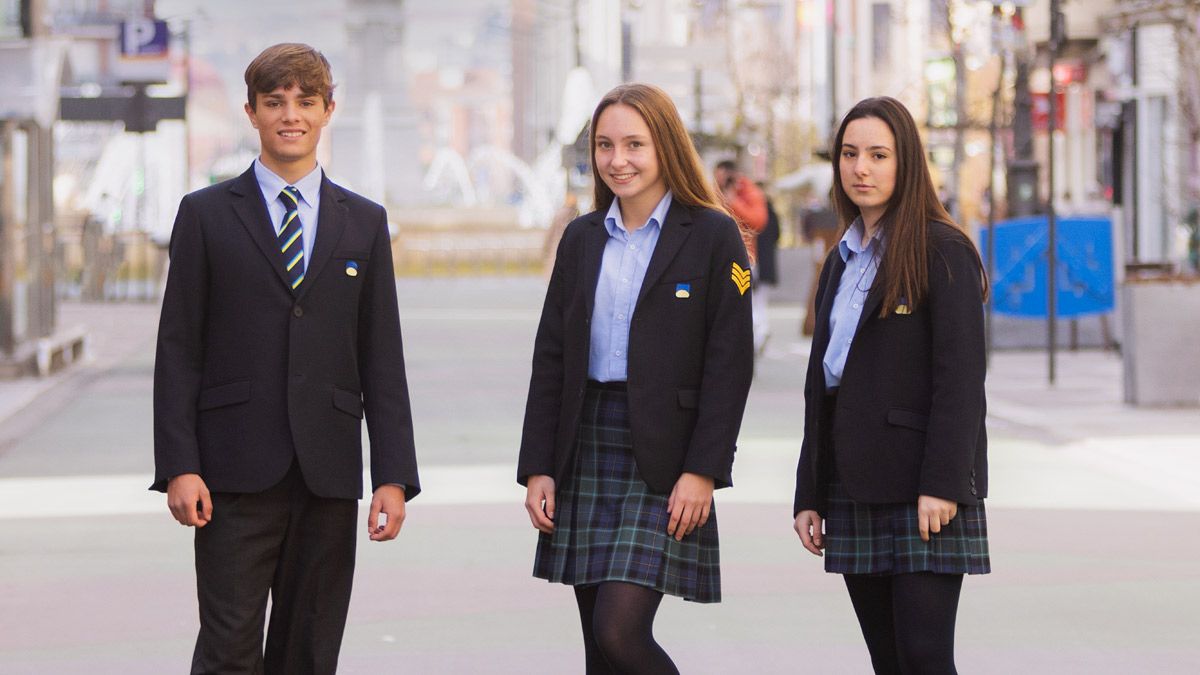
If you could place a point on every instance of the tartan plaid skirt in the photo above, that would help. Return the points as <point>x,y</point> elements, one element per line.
<point>883,539</point>
<point>609,526</point>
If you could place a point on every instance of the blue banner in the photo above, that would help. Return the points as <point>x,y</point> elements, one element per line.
<point>1084,270</point>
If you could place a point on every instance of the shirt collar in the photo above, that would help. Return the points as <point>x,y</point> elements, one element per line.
<point>272,184</point>
<point>613,222</point>
<point>851,242</point>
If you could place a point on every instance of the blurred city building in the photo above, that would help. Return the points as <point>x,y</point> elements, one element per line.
<point>31,72</point>
<point>1151,101</point>
<point>468,118</point>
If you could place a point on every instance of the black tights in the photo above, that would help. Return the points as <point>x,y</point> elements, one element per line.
<point>618,629</point>
<point>907,620</point>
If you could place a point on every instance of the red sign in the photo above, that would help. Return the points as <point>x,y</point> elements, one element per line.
<point>1041,111</point>
<point>1071,72</point>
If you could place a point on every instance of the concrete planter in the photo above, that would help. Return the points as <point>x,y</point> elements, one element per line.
<point>1162,342</point>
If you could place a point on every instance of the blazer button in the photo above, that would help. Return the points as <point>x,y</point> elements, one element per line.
<point>297,312</point>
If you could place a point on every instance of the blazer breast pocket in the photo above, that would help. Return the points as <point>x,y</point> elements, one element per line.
<point>351,263</point>
<point>684,291</point>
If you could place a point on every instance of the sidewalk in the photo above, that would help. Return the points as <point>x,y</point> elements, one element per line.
<point>115,331</point>
<point>1076,444</point>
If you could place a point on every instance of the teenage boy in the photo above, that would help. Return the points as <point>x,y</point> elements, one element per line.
<point>279,332</point>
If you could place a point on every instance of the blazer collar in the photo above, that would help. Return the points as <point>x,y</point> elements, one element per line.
<point>332,219</point>
<point>252,211</point>
<point>670,240</point>
<point>821,326</point>
<point>594,239</point>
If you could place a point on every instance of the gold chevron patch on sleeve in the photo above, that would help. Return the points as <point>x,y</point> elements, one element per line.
<point>741,278</point>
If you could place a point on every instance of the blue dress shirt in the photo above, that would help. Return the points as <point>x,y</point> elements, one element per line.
<point>862,263</point>
<point>310,202</point>
<point>622,270</point>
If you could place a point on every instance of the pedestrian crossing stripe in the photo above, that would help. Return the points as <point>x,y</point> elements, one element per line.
<point>741,278</point>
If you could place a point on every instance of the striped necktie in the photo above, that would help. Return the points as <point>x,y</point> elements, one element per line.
<point>291,236</point>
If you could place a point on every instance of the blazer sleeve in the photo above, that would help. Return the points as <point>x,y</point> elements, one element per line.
<point>807,490</point>
<point>958,367</point>
<point>544,403</point>
<point>179,357</point>
<point>728,361</point>
<point>381,370</point>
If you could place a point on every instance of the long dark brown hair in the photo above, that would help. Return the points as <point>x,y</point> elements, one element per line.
<point>904,270</point>
<point>677,158</point>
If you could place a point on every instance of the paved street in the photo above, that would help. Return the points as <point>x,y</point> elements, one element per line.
<point>1093,517</point>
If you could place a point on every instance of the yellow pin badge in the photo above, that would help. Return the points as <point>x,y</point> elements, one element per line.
<point>903,307</point>
<point>351,268</point>
<point>741,278</point>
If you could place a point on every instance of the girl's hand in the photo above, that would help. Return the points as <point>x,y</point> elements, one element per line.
<point>808,526</point>
<point>934,513</point>
<point>539,502</point>
<point>689,504</point>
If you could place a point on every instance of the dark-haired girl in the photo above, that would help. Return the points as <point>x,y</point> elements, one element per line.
<point>894,458</point>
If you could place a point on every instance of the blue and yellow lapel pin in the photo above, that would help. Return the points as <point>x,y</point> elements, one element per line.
<point>351,268</point>
<point>741,278</point>
<point>903,307</point>
<point>683,290</point>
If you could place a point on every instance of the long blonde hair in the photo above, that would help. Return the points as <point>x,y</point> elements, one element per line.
<point>677,158</point>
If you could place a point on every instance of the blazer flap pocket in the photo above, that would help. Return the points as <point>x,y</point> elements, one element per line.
<point>689,398</point>
<point>348,402</point>
<point>908,418</point>
<point>222,395</point>
<point>352,255</point>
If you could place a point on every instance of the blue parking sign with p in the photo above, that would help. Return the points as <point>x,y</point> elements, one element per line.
<point>144,38</point>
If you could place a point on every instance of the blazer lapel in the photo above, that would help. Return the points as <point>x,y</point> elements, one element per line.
<point>871,306</point>
<point>670,240</point>
<point>249,206</point>
<point>821,326</point>
<point>331,222</point>
<point>593,255</point>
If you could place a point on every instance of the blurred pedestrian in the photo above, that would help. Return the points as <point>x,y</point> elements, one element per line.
<point>749,206</point>
<point>894,457</point>
<point>641,368</point>
<point>279,331</point>
<point>767,243</point>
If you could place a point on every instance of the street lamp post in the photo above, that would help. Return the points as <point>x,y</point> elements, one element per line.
<point>1057,36</point>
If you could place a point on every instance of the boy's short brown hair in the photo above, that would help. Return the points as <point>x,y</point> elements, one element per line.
<point>287,65</point>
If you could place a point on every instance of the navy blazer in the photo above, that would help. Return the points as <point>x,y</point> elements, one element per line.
<point>690,360</point>
<point>910,405</point>
<point>250,375</point>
